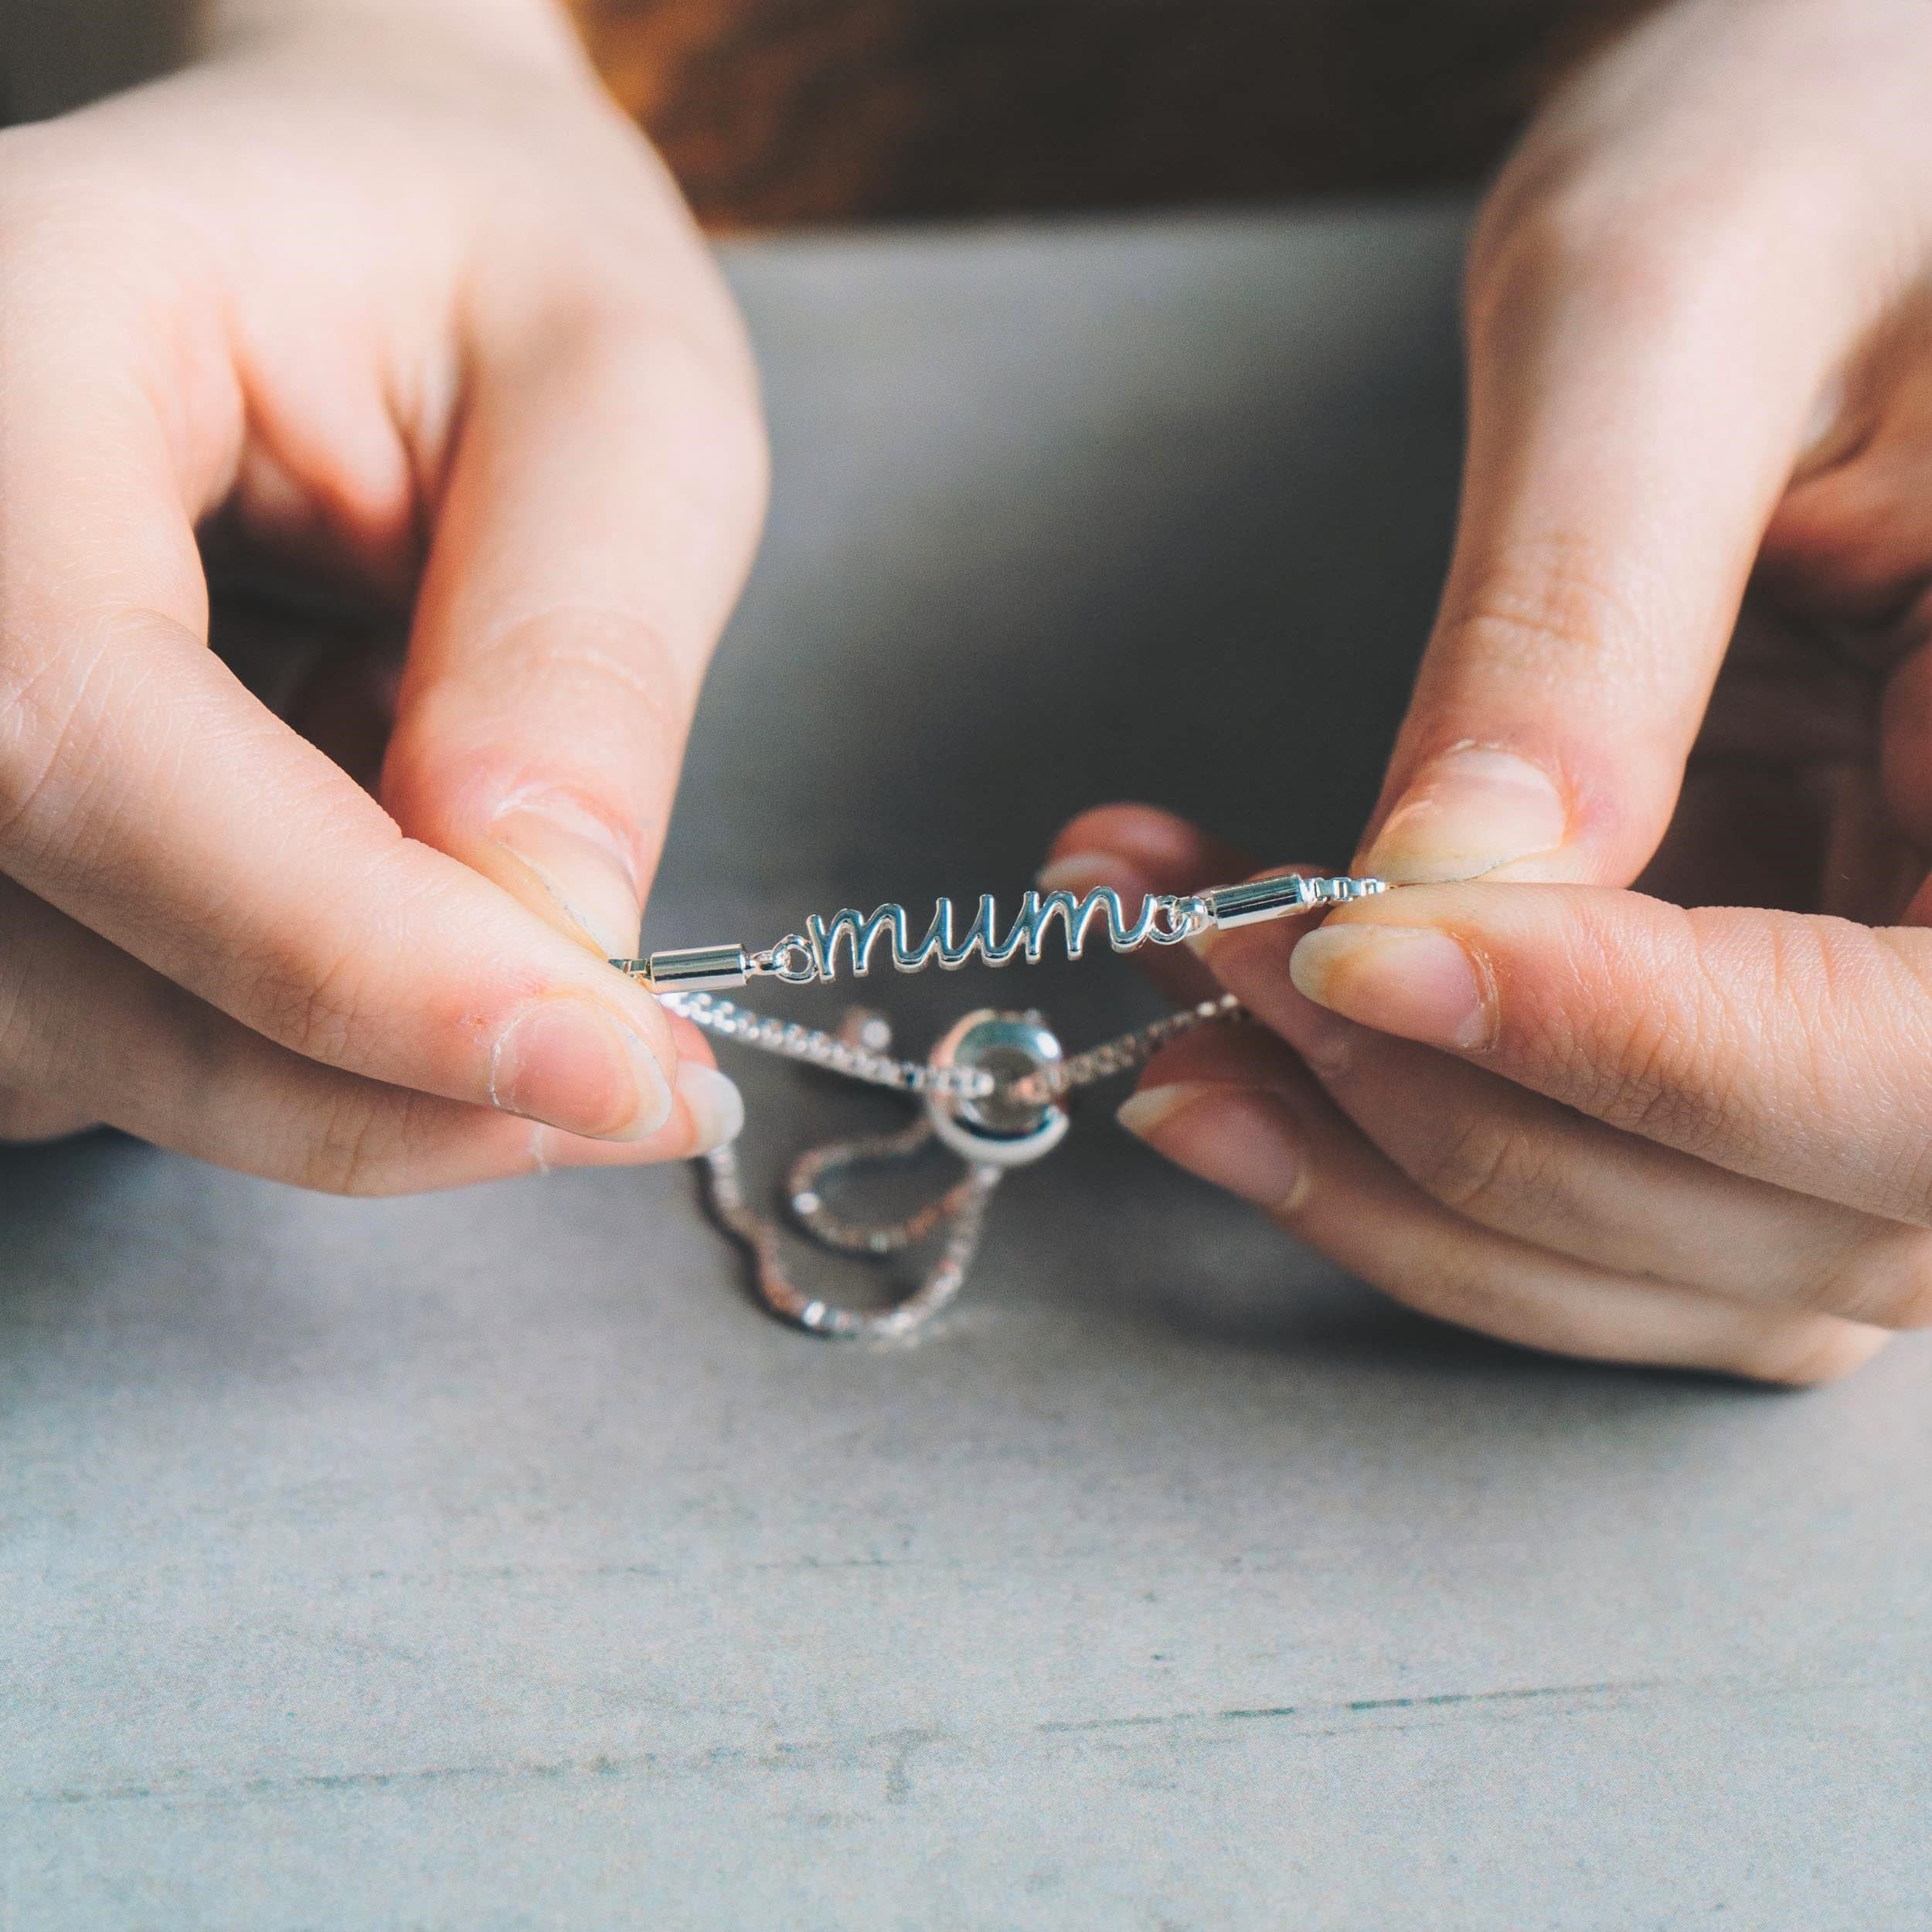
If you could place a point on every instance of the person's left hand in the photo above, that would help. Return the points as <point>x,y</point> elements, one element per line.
<point>390,288</point>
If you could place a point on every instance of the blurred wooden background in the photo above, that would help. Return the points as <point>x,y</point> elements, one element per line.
<point>779,111</point>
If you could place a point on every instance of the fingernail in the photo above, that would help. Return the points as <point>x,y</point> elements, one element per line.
<point>1082,871</point>
<point>717,1108</point>
<point>1412,981</point>
<point>1241,1138</point>
<point>579,861</point>
<point>573,1065</point>
<point>1469,812</point>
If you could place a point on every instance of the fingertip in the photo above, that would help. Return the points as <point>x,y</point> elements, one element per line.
<point>1082,872</point>
<point>1419,983</point>
<point>707,1113</point>
<point>605,1067</point>
<point>714,1107</point>
<point>688,1041</point>
<point>1241,1137</point>
<point>1149,1108</point>
<point>1812,1354</point>
<point>1156,843</point>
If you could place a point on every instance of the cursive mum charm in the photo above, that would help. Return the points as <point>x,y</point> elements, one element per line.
<point>1164,919</point>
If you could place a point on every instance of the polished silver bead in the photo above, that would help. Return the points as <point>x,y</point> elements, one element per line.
<point>1005,1128</point>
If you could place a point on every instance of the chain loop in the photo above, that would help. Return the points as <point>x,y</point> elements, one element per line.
<point>791,961</point>
<point>1177,918</point>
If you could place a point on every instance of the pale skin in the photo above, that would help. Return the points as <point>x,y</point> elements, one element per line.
<point>1638,1064</point>
<point>387,282</point>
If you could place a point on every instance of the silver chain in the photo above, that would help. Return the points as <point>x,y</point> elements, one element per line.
<point>1127,1051</point>
<point>841,1053</point>
<point>837,1052</point>
<point>963,1205</point>
<point>961,1208</point>
<point>990,1090</point>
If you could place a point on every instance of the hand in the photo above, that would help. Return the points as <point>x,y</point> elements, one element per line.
<point>1580,1117</point>
<point>395,287</point>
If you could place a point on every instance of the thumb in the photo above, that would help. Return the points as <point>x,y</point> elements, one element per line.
<point>1637,401</point>
<point>602,501</point>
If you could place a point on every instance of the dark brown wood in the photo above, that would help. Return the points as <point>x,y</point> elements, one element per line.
<point>779,111</point>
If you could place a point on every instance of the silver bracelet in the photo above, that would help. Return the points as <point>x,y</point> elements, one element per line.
<point>993,1090</point>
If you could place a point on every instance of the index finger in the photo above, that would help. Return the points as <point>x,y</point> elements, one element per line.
<point>145,793</point>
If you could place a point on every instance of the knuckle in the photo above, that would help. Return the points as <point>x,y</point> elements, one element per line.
<point>324,986</point>
<point>1540,243</point>
<point>1649,246</point>
<point>652,293</point>
<point>1771,1049</point>
<point>1666,247</point>
<point>1455,1282</point>
<point>379,1142</point>
<point>65,795</point>
<point>1498,1173</point>
<point>1719,1067</point>
<point>1559,597</point>
<point>82,233</point>
<point>312,996</point>
<point>316,1007</point>
<point>670,353</point>
<point>54,710</point>
<point>600,661</point>
<point>1677,1070</point>
<point>29,1060</point>
<point>618,315</point>
<point>17,1028</point>
<point>1660,1081</point>
<point>41,198</point>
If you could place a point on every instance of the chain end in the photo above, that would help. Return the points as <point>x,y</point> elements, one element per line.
<point>690,969</point>
<point>1229,906</point>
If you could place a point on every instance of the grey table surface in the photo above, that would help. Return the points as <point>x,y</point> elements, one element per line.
<point>487,1561</point>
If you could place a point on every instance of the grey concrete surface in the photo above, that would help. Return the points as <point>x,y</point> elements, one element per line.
<point>487,1562</point>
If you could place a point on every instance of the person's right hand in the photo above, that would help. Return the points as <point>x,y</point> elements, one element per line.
<point>403,287</point>
<point>1636,1064</point>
